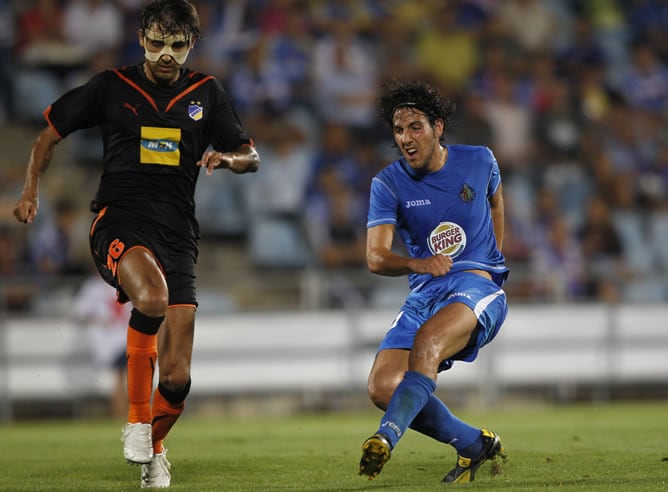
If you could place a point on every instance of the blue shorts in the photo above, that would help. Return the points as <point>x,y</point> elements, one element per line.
<point>485,298</point>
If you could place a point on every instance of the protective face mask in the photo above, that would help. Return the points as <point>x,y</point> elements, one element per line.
<point>157,45</point>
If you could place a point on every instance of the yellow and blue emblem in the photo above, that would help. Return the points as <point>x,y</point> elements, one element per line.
<point>195,111</point>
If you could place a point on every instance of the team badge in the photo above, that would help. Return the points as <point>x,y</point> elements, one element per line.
<point>448,239</point>
<point>195,111</point>
<point>466,193</point>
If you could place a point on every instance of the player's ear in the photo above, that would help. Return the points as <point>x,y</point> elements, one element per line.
<point>439,128</point>
<point>140,35</point>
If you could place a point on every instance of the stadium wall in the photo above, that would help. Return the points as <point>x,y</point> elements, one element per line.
<point>555,346</point>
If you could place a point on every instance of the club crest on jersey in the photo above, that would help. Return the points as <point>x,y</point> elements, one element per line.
<point>448,239</point>
<point>195,111</point>
<point>466,193</point>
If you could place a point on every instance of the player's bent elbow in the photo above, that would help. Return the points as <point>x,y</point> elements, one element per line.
<point>374,266</point>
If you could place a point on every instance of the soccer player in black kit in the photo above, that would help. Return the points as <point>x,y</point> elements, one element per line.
<point>160,124</point>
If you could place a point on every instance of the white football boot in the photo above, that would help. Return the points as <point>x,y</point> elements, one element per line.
<point>137,443</point>
<point>155,475</point>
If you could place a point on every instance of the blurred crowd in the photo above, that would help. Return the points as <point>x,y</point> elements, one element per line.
<point>571,96</point>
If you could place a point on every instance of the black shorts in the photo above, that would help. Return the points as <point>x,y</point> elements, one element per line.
<point>115,231</point>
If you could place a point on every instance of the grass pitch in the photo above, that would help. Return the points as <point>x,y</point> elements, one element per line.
<point>589,448</point>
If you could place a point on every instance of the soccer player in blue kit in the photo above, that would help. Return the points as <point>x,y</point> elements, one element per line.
<point>445,202</point>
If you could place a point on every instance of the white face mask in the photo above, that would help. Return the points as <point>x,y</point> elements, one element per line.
<point>157,45</point>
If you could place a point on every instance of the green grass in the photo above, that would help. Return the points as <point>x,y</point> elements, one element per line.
<point>589,447</point>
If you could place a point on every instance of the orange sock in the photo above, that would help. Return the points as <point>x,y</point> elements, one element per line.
<point>165,415</point>
<point>142,353</point>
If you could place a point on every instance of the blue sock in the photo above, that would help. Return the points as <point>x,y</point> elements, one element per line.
<point>407,401</point>
<point>436,421</point>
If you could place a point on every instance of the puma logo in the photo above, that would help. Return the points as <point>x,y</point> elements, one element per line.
<point>131,108</point>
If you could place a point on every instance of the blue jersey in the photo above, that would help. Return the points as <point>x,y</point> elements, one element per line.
<point>446,212</point>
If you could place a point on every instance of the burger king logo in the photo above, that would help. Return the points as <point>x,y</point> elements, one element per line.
<point>447,239</point>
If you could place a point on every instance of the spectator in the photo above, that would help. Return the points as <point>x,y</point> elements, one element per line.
<point>344,78</point>
<point>336,223</point>
<point>335,150</point>
<point>582,51</point>
<point>558,126</point>
<point>93,25</point>
<point>291,50</point>
<point>105,322</point>
<point>510,121</point>
<point>7,60</point>
<point>530,22</point>
<point>445,34</point>
<point>474,125</point>
<point>52,248</point>
<point>557,264</point>
<point>40,23</point>
<point>43,56</point>
<point>275,200</point>
<point>258,84</point>
<point>602,251</point>
<point>645,82</point>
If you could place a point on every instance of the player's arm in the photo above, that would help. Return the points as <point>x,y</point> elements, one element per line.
<point>243,160</point>
<point>41,154</point>
<point>383,261</point>
<point>497,208</point>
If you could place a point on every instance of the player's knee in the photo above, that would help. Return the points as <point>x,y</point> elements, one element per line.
<point>174,392</point>
<point>152,302</point>
<point>174,374</point>
<point>380,391</point>
<point>429,349</point>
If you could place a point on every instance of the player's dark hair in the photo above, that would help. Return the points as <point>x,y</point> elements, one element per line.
<point>415,94</point>
<point>172,16</point>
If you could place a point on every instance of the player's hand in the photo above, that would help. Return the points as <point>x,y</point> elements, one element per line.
<point>212,160</point>
<point>26,209</point>
<point>436,265</point>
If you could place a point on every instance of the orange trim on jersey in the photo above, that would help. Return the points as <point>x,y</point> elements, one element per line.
<point>46,113</point>
<point>99,216</point>
<point>188,90</point>
<point>137,88</point>
<point>194,306</point>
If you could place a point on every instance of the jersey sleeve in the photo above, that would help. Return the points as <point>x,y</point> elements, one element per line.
<point>495,176</point>
<point>76,109</point>
<point>382,204</point>
<point>227,130</point>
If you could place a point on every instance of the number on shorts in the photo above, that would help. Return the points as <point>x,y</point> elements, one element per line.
<point>114,252</point>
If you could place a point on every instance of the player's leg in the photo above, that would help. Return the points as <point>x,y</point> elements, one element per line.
<point>142,280</point>
<point>434,420</point>
<point>489,305</point>
<point>386,373</point>
<point>446,335</point>
<point>439,338</point>
<point>175,354</point>
<point>174,359</point>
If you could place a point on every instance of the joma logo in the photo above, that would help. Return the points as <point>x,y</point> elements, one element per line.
<point>417,203</point>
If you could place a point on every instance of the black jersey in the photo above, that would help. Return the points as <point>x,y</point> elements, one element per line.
<point>153,136</point>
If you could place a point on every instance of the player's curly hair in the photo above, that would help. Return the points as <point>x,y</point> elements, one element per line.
<point>172,16</point>
<point>417,94</point>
